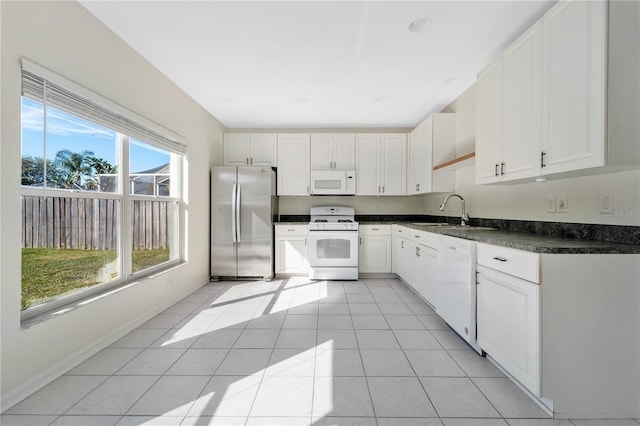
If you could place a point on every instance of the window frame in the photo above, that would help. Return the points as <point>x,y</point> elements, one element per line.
<point>122,195</point>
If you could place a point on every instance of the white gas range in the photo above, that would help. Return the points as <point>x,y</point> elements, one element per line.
<point>333,243</point>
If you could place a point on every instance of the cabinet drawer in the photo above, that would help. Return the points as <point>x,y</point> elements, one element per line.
<point>522,264</point>
<point>291,230</point>
<point>425,238</point>
<point>374,229</point>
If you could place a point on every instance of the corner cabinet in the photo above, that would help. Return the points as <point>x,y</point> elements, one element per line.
<point>333,151</point>
<point>291,249</point>
<point>374,253</point>
<point>293,164</point>
<point>381,164</point>
<point>432,142</point>
<point>250,149</point>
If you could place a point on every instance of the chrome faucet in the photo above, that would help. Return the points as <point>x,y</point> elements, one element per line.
<point>464,221</point>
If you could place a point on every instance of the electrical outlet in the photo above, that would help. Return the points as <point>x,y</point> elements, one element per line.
<point>551,204</point>
<point>562,204</point>
<point>606,204</point>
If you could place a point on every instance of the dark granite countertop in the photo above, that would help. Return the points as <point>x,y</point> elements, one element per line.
<point>533,236</point>
<point>531,242</point>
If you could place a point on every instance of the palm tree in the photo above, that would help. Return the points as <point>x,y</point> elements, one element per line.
<point>76,164</point>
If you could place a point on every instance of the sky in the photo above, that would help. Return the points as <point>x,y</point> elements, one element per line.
<point>65,131</point>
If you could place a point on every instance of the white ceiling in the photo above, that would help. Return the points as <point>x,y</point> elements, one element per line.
<point>319,64</point>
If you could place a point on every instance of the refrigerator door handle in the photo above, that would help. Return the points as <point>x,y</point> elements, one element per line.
<point>234,233</point>
<point>238,204</point>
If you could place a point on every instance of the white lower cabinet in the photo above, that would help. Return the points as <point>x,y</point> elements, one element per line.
<point>414,254</point>
<point>374,253</point>
<point>509,324</point>
<point>291,249</point>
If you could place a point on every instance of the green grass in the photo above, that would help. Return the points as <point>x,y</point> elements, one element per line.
<point>48,273</point>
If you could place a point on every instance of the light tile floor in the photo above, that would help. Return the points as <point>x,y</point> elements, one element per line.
<point>289,352</point>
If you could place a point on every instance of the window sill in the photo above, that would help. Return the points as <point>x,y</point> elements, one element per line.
<point>72,306</point>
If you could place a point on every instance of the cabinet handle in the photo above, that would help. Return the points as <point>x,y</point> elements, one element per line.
<point>499,259</point>
<point>401,244</point>
<point>418,251</point>
<point>417,236</point>
<point>383,189</point>
<point>360,240</point>
<point>247,160</point>
<point>501,169</point>
<point>418,187</point>
<point>496,169</point>
<point>378,190</point>
<point>375,229</point>
<point>307,189</point>
<point>251,160</point>
<point>305,241</point>
<point>291,230</point>
<point>542,154</point>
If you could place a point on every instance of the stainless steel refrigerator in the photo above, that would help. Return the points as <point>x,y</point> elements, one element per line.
<point>243,207</point>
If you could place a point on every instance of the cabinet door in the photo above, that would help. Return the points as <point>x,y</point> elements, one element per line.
<point>427,273</point>
<point>411,266</point>
<point>400,257</point>
<point>488,122</point>
<point>509,324</point>
<point>522,124</point>
<point>291,254</point>
<point>235,150</point>
<point>393,161</point>
<point>264,147</point>
<point>321,151</point>
<point>293,164</point>
<point>414,169</point>
<point>374,254</point>
<point>574,101</point>
<point>344,151</point>
<point>367,182</point>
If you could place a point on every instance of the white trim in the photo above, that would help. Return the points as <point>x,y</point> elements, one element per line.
<point>37,382</point>
<point>98,99</point>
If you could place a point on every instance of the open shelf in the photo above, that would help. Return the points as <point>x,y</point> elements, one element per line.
<point>456,163</point>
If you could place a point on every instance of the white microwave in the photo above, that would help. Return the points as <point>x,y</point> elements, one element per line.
<point>333,182</point>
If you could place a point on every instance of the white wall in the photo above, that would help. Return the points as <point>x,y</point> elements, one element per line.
<point>362,205</point>
<point>528,201</point>
<point>67,39</point>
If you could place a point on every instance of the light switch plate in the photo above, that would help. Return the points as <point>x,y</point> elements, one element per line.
<point>551,204</point>
<point>562,204</point>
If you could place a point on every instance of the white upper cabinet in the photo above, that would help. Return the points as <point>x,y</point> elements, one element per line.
<point>333,151</point>
<point>522,106</point>
<point>489,122</point>
<point>543,105</point>
<point>508,130</point>
<point>293,163</point>
<point>574,86</point>
<point>431,143</point>
<point>250,149</point>
<point>381,164</point>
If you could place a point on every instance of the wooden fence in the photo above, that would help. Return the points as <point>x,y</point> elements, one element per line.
<point>91,224</point>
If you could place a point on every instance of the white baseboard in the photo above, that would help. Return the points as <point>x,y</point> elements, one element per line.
<point>61,367</point>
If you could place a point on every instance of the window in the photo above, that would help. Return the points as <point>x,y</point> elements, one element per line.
<point>100,193</point>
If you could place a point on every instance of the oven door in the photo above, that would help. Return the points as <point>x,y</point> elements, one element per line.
<point>329,249</point>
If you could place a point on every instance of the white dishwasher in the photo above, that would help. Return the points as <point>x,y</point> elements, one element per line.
<point>456,286</point>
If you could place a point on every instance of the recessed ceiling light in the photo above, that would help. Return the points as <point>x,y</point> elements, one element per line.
<point>381,99</point>
<point>225,99</point>
<point>419,24</point>
<point>302,100</point>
